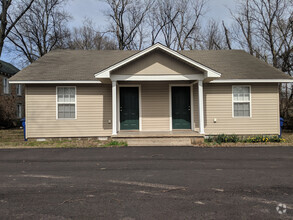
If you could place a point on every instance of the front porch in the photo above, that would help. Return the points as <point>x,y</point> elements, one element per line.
<point>168,94</point>
<point>172,108</point>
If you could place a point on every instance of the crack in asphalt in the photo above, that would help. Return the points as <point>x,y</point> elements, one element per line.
<point>145,184</point>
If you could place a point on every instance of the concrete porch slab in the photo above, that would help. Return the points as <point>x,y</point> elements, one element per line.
<point>157,134</point>
<point>160,138</point>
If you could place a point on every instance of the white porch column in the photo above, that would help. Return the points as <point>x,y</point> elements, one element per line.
<point>114,107</point>
<point>200,107</point>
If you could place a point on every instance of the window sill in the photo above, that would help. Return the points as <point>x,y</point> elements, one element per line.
<point>66,119</point>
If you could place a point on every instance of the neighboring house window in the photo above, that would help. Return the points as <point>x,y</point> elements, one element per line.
<point>18,89</point>
<point>19,111</point>
<point>241,101</point>
<point>66,102</point>
<point>5,86</point>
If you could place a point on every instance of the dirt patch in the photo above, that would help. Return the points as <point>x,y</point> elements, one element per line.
<point>13,138</point>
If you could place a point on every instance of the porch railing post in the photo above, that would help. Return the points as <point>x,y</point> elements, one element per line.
<point>114,107</point>
<point>200,107</point>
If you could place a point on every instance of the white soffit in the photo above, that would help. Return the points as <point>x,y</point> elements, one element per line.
<point>252,81</point>
<point>54,82</point>
<point>156,77</point>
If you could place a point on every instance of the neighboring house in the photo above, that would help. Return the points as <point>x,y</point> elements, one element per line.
<point>11,97</point>
<point>73,93</point>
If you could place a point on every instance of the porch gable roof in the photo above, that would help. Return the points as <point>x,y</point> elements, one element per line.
<point>208,72</point>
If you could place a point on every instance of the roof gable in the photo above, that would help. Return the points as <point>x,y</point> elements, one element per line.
<point>157,62</point>
<point>106,73</point>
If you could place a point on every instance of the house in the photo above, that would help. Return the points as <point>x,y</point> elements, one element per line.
<point>156,91</point>
<point>11,97</point>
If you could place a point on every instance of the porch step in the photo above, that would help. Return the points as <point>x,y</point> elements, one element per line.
<point>161,141</point>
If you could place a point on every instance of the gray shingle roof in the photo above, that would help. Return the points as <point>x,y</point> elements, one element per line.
<point>7,68</point>
<point>236,64</point>
<point>81,65</point>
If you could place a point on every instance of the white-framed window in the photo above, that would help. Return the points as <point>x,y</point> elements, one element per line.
<point>19,111</point>
<point>66,102</point>
<point>18,90</point>
<point>241,101</point>
<point>5,86</point>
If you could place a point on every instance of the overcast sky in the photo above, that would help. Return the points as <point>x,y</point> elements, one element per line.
<point>93,9</point>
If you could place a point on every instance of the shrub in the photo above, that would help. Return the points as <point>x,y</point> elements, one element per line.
<point>264,139</point>
<point>222,138</point>
<point>209,139</point>
<point>116,143</point>
<point>234,138</point>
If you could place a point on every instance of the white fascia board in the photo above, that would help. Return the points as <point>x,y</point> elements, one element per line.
<point>252,81</point>
<point>106,73</point>
<point>156,77</point>
<point>54,82</point>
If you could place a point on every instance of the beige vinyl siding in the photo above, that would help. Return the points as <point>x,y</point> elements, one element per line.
<point>157,63</point>
<point>155,107</point>
<point>264,110</point>
<point>93,112</point>
<point>217,104</point>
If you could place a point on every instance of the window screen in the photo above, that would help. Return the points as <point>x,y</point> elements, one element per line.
<point>241,101</point>
<point>66,102</point>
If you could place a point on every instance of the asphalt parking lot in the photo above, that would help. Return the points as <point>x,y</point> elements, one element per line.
<point>146,183</point>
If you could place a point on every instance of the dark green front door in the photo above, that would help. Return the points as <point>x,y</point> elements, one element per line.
<point>181,107</point>
<point>129,108</point>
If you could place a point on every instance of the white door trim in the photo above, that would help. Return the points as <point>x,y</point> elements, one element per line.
<point>191,104</point>
<point>139,103</point>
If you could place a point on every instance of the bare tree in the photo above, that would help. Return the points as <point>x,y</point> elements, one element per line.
<point>227,36</point>
<point>245,26</point>
<point>41,29</point>
<point>176,22</point>
<point>140,39</point>
<point>87,38</point>
<point>126,18</point>
<point>267,27</point>
<point>167,12</point>
<point>212,38</point>
<point>267,15</point>
<point>264,28</point>
<point>9,17</point>
<point>187,24</point>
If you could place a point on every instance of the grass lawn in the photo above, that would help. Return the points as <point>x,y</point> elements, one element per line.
<point>13,138</point>
<point>288,137</point>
